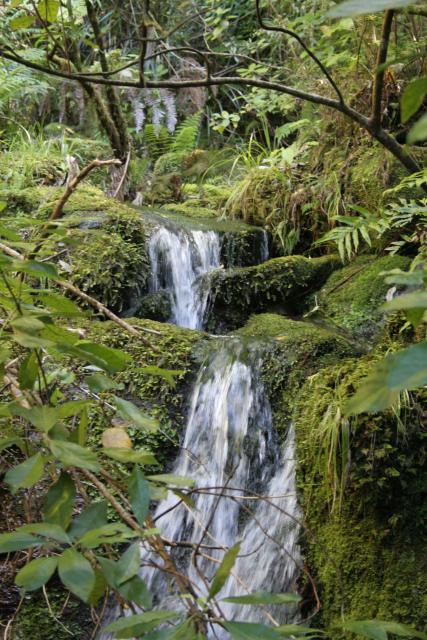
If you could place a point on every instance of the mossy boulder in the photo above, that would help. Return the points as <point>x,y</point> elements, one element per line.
<point>362,485</point>
<point>275,285</point>
<point>155,306</point>
<point>100,246</point>
<point>352,296</point>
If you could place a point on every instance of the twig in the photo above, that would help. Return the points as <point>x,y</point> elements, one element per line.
<point>122,179</point>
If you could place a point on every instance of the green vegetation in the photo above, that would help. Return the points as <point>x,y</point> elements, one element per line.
<point>300,124</point>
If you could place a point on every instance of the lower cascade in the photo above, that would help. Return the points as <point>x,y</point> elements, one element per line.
<point>178,258</point>
<point>245,491</point>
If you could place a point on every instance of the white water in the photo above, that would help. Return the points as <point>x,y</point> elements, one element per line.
<point>178,258</point>
<point>230,442</point>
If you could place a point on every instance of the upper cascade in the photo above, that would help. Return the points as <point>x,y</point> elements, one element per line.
<point>178,258</point>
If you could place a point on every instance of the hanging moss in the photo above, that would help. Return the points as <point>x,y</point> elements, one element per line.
<point>367,509</point>
<point>275,285</point>
<point>352,296</point>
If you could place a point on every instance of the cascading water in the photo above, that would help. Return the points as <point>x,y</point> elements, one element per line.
<point>178,258</point>
<point>230,449</point>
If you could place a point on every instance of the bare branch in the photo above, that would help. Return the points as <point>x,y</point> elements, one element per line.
<point>377,91</point>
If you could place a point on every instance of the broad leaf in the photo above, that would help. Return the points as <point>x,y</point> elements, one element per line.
<point>139,494</point>
<point>98,383</point>
<point>92,517</point>
<point>26,474</point>
<point>73,455</point>
<point>107,534</point>
<point>361,7</point>
<point>418,132</point>
<point>76,574</point>
<point>129,411</point>
<point>48,10</point>
<point>59,503</point>
<point>251,631</point>
<point>130,456</point>
<point>36,573</point>
<point>130,626</point>
<point>37,269</point>
<point>16,541</point>
<point>129,564</point>
<point>263,597</point>
<point>135,590</point>
<point>28,371</point>
<point>43,418</point>
<point>413,98</point>
<point>46,530</point>
<point>224,570</point>
<point>174,481</point>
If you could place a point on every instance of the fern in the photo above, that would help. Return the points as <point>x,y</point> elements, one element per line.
<point>187,133</point>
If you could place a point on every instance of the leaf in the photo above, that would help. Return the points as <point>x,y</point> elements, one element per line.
<point>116,438</point>
<point>48,10</point>
<point>366,628</point>
<point>36,573</point>
<point>28,372</point>
<point>296,630</point>
<point>16,541</point>
<point>27,324</point>
<point>263,597</point>
<point>94,516</point>
<point>362,7</point>
<point>406,369</point>
<point>73,455</point>
<point>413,98</point>
<point>26,474</point>
<point>135,590</point>
<point>107,534</point>
<point>170,479</point>
<point>59,503</point>
<point>224,570</point>
<point>60,305</point>
<point>129,411</point>
<point>99,588</point>
<point>129,564</point>
<point>418,132</point>
<point>139,494</point>
<point>413,300</point>
<point>37,269</point>
<point>43,418</point>
<point>403,630</point>
<point>46,530</point>
<point>72,408</point>
<point>250,631</point>
<point>76,574</point>
<point>21,22</point>
<point>135,625</point>
<point>111,360</point>
<point>98,383</point>
<point>130,456</point>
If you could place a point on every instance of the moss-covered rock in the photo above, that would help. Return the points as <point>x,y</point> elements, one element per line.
<point>101,244</point>
<point>351,297</point>
<point>362,484</point>
<point>275,285</point>
<point>155,306</point>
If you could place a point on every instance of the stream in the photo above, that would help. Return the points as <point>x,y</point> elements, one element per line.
<point>229,448</point>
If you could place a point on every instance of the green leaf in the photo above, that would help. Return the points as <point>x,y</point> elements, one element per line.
<point>21,22</point>
<point>111,360</point>
<point>175,481</point>
<point>99,588</point>
<point>263,597</point>
<point>366,628</point>
<point>418,132</point>
<point>295,630</point>
<point>36,573</point>
<point>413,98</point>
<point>46,530</point>
<point>129,564</point>
<point>130,626</point>
<point>99,383</point>
<point>16,541</point>
<point>135,590</point>
<point>60,305</point>
<point>129,411</point>
<point>28,371</point>
<point>26,474</point>
<point>130,456</point>
<point>139,494</point>
<point>37,269</point>
<point>73,455</point>
<point>107,534</point>
<point>76,574</point>
<point>224,570</point>
<point>28,324</point>
<point>414,300</point>
<point>43,418</point>
<point>94,516</point>
<point>48,10</point>
<point>109,570</point>
<point>362,7</point>
<point>403,630</point>
<point>251,631</point>
<point>59,502</point>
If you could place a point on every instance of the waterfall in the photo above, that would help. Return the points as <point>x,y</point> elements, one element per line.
<point>178,257</point>
<point>230,442</point>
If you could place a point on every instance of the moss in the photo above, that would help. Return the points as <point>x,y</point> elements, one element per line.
<point>352,296</point>
<point>72,618</point>
<point>155,306</point>
<point>274,285</point>
<point>101,247</point>
<point>366,505</point>
<point>174,349</point>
